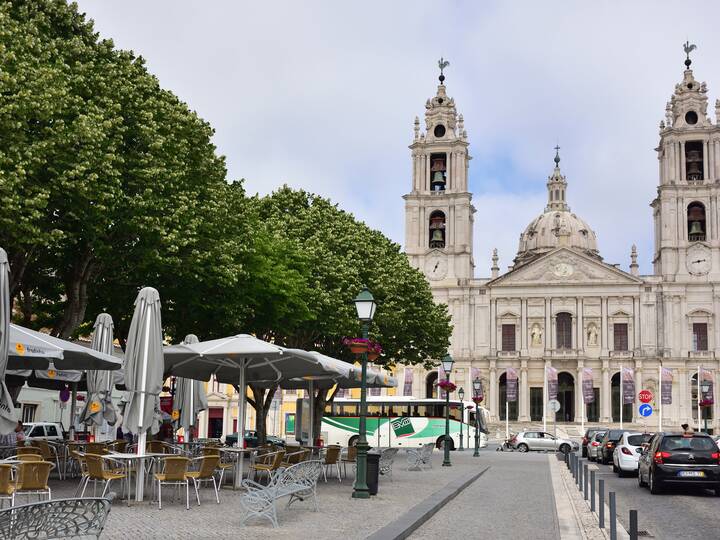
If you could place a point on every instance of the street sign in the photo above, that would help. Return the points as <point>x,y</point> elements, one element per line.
<point>554,405</point>
<point>645,410</point>
<point>645,396</point>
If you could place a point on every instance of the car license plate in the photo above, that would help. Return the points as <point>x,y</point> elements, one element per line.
<point>692,473</point>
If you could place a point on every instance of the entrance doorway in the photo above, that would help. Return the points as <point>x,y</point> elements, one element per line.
<point>615,392</point>
<point>512,406</point>
<point>536,404</point>
<point>431,385</point>
<point>215,422</point>
<point>592,410</point>
<point>566,397</point>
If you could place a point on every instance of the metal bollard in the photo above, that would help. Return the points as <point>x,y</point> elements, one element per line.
<point>601,503</point>
<point>613,516</point>
<point>592,491</point>
<point>580,476</point>
<point>633,525</point>
<point>572,466</point>
<point>585,482</point>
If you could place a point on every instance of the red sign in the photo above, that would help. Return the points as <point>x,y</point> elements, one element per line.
<point>645,396</point>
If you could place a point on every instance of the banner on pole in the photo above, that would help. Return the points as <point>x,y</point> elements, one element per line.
<point>407,384</point>
<point>587,386</point>
<point>552,382</point>
<point>441,377</point>
<point>666,386</point>
<point>511,384</point>
<point>707,396</point>
<point>628,385</point>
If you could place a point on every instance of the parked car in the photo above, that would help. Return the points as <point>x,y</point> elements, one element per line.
<point>540,440</point>
<point>690,459</point>
<point>588,437</point>
<point>48,431</point>
<point>607,445</point>
<point>627,452</point>
<point>594,446</point>
<point>251,439</point>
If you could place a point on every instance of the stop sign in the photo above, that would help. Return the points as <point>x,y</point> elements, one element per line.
<point>645,396</point>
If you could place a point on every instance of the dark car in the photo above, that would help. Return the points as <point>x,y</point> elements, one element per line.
<point>608,443</point>
<point>675,459</point>
<point>251,439</point>
<point>588,437</point>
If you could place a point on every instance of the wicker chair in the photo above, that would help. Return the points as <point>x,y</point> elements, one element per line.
<point>206,473</point>
<point>29,457</point>
<point>32,479</point>
<point>97,472</point>
<point>49,454</point>
<point>79,458</point>
<point>175,472</point>
<point>99,449</point>
<point>119,446</point>
<point>268,463</point>
<point>28,450</point>
<point>332,459</point>
<point>349,456</point>
<point>225,460</point>
<point>157,447</point>
<point>6,485</point>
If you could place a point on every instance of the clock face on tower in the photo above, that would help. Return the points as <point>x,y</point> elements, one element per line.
<point>436,267</point>
<point>698,260</point>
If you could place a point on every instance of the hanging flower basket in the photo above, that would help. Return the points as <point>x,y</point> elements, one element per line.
<point>477,399</point>
<point>447,386</point>
<point>356,345</point>
<point>374,350</point>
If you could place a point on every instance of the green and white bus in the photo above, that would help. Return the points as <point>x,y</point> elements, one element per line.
<point>402,422</point>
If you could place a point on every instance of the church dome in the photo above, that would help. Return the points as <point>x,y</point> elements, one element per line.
<point>556,226</point>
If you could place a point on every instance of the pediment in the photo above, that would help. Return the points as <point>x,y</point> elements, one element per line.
<point>565,266</point>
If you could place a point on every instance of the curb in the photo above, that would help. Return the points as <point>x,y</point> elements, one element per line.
<point>411,520</point>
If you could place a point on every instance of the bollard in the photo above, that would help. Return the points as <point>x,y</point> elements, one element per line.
<point>592,491</point>
<point>601,503</point>
<point>580,476</point>
<point>585,482</point>
<point>633,525</point>
<point>572,466</point>
<point>613,516</point>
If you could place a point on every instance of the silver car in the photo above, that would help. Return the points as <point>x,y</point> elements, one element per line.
<point>594,445</point>
<point>540,440</point>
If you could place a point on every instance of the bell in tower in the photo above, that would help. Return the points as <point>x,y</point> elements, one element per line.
<point>694,161</point>
<point>438,171</point>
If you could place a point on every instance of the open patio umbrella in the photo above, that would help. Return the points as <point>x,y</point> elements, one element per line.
<point>190,398</point>
<point>144,374</point>
<point>8,417</point>
<point>98,405</point>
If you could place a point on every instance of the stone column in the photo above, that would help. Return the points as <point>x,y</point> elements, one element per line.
<point>604,326</point>
<point>449,173</point>
<point>493,326</point>
<point>685,413</point>
<point>580,345</point>
<point>706,161</point>
<point>426,180</point>
<point>637,343</point>
<point>605,394</point>
<point>494,392</point>
<point>523,327</point>
<point>548,331</point>
<point>524,396</point>
<point>579,403</point>
<point>683,175</point>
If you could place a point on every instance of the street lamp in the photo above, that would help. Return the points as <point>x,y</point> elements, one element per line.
<point>447,364</point>
<point>705,388</point>
<point>461,395</point>
<point>477,385</point>
<point>365,306</point>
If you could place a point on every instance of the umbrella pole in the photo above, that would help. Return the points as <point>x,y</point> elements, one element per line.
<point>241,426</point>
<point>73,405</point>
<point>311,391</point>
<point>142,438</point>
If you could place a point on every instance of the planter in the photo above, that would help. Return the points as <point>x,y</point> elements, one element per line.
<point>358,348</point>
<point>372,356</point>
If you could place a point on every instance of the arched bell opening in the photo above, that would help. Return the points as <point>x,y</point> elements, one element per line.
<point>437,229</point>
<point>696,222</point>
<point>438,172</point>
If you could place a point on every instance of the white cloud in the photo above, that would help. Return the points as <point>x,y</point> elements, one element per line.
<point>322,95</point>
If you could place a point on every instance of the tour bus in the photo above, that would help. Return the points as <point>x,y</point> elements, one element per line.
<point>402,422</point>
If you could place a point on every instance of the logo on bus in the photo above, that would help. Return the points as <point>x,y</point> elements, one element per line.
<point>402,427</point>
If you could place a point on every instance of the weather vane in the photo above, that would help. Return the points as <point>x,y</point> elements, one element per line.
<point>442,64</point>
<point>557,155</point>
<point>688,48</point>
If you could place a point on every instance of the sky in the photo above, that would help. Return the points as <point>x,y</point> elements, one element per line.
<point>321,95</point>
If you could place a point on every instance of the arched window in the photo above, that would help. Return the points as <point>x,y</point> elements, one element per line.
<point>706,410</point>
<point>696,221</point>
<point>615,401</point>
<point>437,229</point>
<point>563,331</point>
<point>431,385</point>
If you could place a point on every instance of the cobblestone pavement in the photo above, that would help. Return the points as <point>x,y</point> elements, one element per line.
<point>513,499</point>
<point>339,515</point>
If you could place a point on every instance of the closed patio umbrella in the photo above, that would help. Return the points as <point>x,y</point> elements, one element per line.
<point>8,417</point>
<point>144,373</point>
<point>98,405</point>
<point>190,398</point>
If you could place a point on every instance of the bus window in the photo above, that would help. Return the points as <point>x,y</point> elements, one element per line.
<point>346,409</point>
<point>328,409</point>
<point>374,409</point>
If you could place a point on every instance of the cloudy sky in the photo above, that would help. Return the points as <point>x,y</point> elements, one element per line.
<point>322,95</point>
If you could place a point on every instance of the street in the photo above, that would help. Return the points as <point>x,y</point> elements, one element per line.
<point>675,513</point>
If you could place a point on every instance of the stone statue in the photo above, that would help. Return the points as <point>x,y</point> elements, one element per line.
<point>592,335</point>
<point>536,334</point>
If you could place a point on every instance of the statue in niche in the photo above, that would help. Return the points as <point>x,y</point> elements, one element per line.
<point>592,335</point>
<point>536,334</point>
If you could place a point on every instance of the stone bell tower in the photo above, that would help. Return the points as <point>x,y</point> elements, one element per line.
<point>439,210</point>
<point>687,243</point>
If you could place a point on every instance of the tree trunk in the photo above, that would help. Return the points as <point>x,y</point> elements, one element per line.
<point>18,264</point>
<point>76,295</point>
<point>321,400</point>
<point>261,402</point>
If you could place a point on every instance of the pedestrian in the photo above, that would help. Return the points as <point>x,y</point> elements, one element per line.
<point>687,430</point>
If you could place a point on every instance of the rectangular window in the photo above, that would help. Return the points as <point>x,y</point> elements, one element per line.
<point>28,412</point>
<point>508,337</point>
<point>700,340</point>
<point>563,323</point>
<point>51,431</point>
<point>620,336</point>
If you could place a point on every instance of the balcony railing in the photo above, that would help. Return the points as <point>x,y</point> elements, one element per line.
<point>508,354</point>
<point>701,354</point>
<point>563,353</point>
<point>621,354</point>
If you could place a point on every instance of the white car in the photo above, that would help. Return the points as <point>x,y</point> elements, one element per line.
<point>48,431</point>
<point>627,452</point>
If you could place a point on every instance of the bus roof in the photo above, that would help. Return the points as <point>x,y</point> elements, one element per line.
<point>403,399</point>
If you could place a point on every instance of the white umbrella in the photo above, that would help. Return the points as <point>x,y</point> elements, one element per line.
<point>99,408</point>
<point>8,417</point>
<point>189,399</point>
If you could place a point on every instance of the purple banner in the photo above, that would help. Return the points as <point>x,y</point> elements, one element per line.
<point>587,386</point>
<point>628,385</point>
<point>407,384</point>
<point>511,385</point>
<point>666,386</point>
<point>706,397</point>
<point>551,375</point>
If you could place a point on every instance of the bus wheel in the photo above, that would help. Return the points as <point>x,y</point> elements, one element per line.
<point>353,440</point>
<point>440,443</point>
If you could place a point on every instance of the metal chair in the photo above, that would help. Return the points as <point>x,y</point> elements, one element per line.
<point>6,485</point>
<point>49,454</point>
<point>32,479</point>
<point>99,449</point>
<point>59,518</point>
<point>332,458</point>
<point>175,471</point>
<point>269,463</point>
<point>350,456</point>
<point>206,473</point>
<point>387,457</point>
<point>97,472</point>
<point>28,450</point>
<point>225,460</point>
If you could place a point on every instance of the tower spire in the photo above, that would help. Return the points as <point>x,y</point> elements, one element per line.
<point>688,48</point>
<point>442,64</point>
<point>556,186</point>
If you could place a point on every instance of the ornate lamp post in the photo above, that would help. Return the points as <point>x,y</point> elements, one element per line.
<point>461,395</point>
<point>477,385</point>
<point>365,306</point>
<point>704,388</point>
<point>447,364</point>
